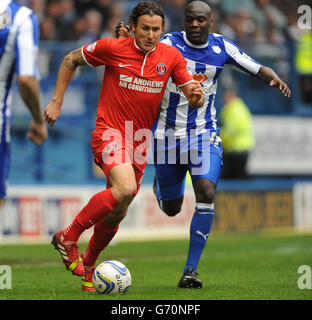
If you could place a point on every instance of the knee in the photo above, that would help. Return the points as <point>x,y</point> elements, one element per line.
<point>205,193</point>
<point>124,193</point>
<point>172,211</point>
<point>171,208</point>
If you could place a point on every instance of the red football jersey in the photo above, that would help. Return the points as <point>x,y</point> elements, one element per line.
<point>134,81</point>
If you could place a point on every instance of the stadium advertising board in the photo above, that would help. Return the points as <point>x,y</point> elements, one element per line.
<point>32,213</point>
<point>253,210</point>
<point>283,146</point>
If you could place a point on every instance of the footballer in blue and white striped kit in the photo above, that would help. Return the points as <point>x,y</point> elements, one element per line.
<point>180,131</point>
<point>19,39</point>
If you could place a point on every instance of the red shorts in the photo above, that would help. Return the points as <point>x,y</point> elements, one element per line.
<point>116,151</point>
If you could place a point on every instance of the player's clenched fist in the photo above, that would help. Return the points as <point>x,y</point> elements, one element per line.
<point>52,112</point>
<point>197,89</point>
<point>194,94</point>
<point>38,132</point>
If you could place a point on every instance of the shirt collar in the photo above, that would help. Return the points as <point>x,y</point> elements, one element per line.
<point>190,44</point>
<point>136,45</point>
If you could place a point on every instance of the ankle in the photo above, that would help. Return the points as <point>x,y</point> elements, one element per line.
<point>73,231</point>
<point>89,257</point>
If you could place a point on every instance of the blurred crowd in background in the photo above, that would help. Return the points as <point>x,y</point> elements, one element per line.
<point>262,28</point>
<point>238,20</point>
<point>267,30</point>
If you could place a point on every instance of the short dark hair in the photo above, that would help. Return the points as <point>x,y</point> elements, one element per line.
<point>187,2</point>
<point>148,7</point>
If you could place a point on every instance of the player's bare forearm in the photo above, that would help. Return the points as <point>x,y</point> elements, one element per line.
<point>266,74</point>
<point>65,75</point>
<point>30,93</point>
<point>269,76</point>
<point>194,94</point>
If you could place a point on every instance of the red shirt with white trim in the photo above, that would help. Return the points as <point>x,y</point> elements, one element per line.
<point>134,81</point>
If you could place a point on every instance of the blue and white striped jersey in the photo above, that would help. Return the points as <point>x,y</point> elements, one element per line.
<point>19,39</point>
<point>205,63</point>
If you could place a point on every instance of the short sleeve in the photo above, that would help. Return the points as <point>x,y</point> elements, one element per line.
<point>98,53</point>
<point>241,60</point>
<point>180,75</point>
<point>26,47</point>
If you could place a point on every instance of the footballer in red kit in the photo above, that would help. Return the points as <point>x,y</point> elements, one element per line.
<point>132,89</point>
<point>136,74</point>
<point>134,81</point>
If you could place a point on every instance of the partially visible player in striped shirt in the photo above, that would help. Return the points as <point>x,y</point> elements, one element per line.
<point>19,38</point>
<point>196,129</point>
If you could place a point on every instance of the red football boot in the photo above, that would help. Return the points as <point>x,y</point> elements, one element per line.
<point>87,284</point>
<point>69,253</point>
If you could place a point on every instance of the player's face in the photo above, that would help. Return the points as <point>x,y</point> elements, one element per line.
<point>148,31</point>
<point>197,22</point>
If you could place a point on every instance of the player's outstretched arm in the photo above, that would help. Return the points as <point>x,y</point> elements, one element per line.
<point>194,93</point>
<point>65,75</point>
<point>268,75</point>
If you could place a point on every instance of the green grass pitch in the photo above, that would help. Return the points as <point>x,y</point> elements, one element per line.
<point>258,266</point>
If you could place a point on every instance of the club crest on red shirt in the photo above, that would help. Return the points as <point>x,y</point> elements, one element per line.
<point>111,146</point>
<point>161,69</point>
